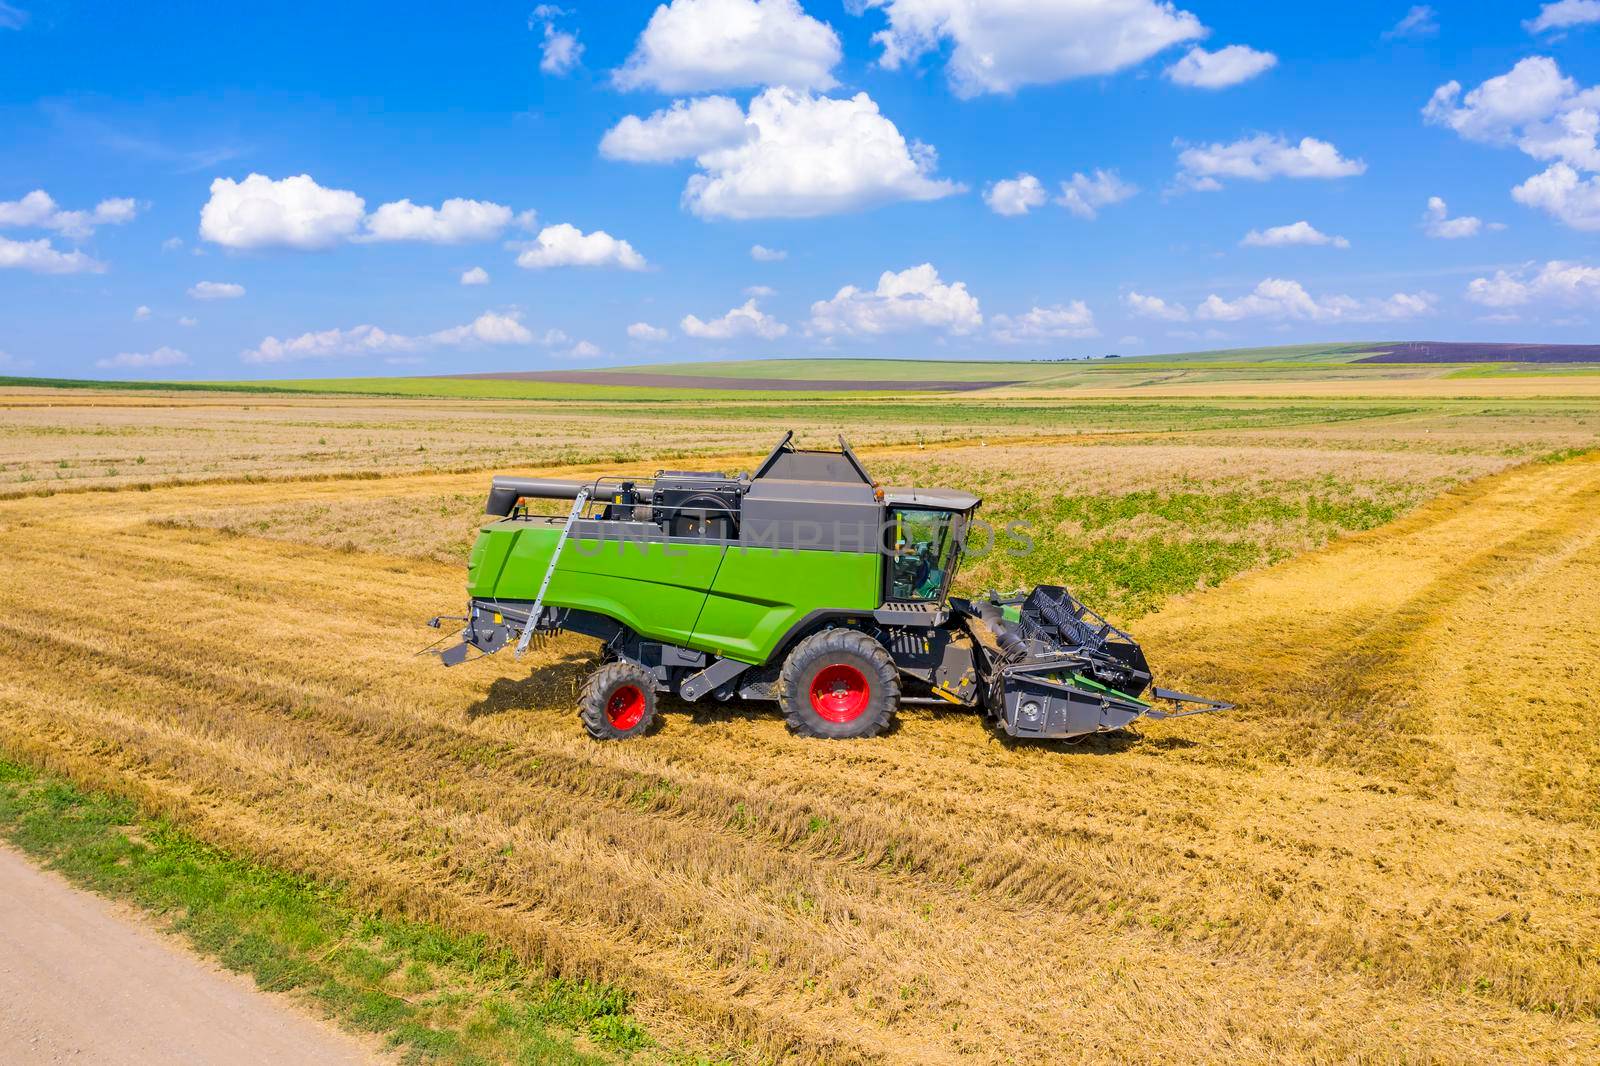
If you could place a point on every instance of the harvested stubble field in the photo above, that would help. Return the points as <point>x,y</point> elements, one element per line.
<point>1389,853</point>
<point>54,440</point>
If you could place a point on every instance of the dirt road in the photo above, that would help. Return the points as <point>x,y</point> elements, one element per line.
<point>81,983</point>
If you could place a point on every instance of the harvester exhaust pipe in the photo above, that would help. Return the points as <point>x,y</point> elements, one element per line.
<point>506,491</point>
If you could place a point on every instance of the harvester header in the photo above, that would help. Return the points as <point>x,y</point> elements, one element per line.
<point>805,582</point>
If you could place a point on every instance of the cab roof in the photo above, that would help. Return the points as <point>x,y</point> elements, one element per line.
<point>933,499</point>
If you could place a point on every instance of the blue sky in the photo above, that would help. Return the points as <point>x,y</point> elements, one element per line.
<point>196,191</point>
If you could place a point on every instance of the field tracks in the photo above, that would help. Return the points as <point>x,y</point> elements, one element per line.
<point>1378,848</point>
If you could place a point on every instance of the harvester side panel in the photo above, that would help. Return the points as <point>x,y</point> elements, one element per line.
<point>659,589</point>
<point>760,594</point>
<point>656,589</point>
<point>488,558</point>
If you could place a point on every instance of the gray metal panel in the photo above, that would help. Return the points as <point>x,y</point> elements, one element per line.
<point>812,466</point>
<point>820,515</point>
<point>783,446</point>
<point>717,674</point>
<point>929,614</point>
<point>941,499</point>
<point>788,463</point>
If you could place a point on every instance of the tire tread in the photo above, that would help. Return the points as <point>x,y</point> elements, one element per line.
<point>597,689</point>
<point>795,702</point>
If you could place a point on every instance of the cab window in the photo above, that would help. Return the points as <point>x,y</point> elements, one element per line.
<point>920,544</point>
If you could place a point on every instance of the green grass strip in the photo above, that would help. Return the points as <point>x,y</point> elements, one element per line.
<point>433,995</point>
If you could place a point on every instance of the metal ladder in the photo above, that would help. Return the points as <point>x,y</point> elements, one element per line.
<point>555,557</point>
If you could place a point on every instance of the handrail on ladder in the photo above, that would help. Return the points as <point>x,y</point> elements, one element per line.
<point>555,556</point>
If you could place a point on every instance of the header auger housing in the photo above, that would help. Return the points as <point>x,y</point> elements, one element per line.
<point>805,582</point>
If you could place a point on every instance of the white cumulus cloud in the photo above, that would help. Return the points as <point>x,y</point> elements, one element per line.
<point>644,331</point>
<point>488,328</point>
<point>452,222</point>
<point>747,320</point>
<point>584,350</point>
<point>807,156</point>
<point>39,210</point>
<point>475,276</point>
<point>1558,281</point>
<point>763,254</point>
<point>1545,114</point>
<point>1014,196</point>
<point>686,129</point>
<point>1155,307</point>
<point>1532,106</point>
<point>1502,290</point>
<point>566,245</point>
<point>1277,299</point>
<point>1297,233</point>
<point>696,45</point>
<point>296,212</point>
<point>1560,191</point>
<point>1261,158</point>
<point>41,257</point>
<point>1046,323</point>
<point>794,155</point>
<point>912,299</point>
<point>215,290</point>
<point>188,320</point>
<point>324,344</point>
<point>1085,196</point>
<point>1437,223</point>
<point>143,360</point>
<point>1236,63</point>
<point>141,313</point>
<point>998,46</point>
<point>114,212</point>
<point>560,50</point>
<point>1281,300</point>
<point>1564,15</point>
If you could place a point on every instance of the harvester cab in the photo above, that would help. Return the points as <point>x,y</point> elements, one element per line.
<point>805,582</point>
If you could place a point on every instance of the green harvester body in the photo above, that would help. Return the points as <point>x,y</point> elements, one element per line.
<point>722,599</point>
<point>806,573</point>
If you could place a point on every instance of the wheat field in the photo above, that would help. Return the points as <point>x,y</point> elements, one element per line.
<point>1389,853</point>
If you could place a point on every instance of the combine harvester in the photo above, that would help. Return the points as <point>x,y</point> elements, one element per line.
<point>806,583</point>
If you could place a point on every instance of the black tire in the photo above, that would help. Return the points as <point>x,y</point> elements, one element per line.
<point>839,684</point>
<point>618,701</point>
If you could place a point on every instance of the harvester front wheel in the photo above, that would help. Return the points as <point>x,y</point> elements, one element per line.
<point>838,684</point>
<point>618,701</point>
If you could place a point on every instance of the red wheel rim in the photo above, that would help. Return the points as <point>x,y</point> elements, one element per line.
<point>625,707</point>
<point>839,693</point>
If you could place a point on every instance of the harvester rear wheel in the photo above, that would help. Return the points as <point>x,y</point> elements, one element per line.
<point>618,701</point>
<point>839,684</point>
